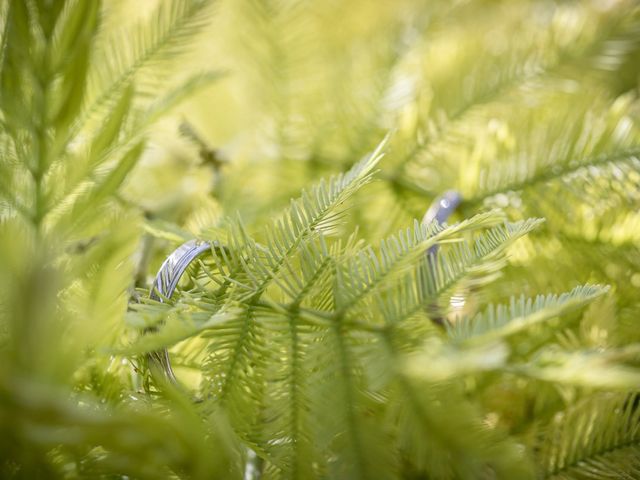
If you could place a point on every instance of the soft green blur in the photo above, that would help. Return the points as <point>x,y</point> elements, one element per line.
<point>130,126</point>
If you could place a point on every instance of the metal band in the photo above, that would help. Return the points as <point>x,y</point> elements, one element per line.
<point>439,211</point>
<point>174,266</point>
<point>442,207</point>
<point>165,284</point>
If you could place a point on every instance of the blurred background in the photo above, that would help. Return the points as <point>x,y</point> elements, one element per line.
<point>504,102</point>
<point>528,106</point>
<point>308,88</point>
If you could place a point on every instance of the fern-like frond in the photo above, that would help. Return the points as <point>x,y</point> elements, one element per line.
<point>576,38</point>
<point>316,211</point>
<point>528,148</point>
<point>289,398</point>
<point>124,120</point>
<point>476,262</point>
<point>46,418</point>
<point>367,271</point>
<point>520,314</point>
<point>78,210</point>
<point>74,250</point>
<point>344,417</point>
<point>309,347</point>
<point>240,349</point>
<point>167,34</point>
<point>425,426</point>
<point>609,370</point>
<point>608,161</point>
<point>567,362</point>
<point>175,327</point>
<point>575,35</point>
<point>598,438</point>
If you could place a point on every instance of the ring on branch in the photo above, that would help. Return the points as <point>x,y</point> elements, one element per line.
<point>440,210</point>
<point>164,285</point>
<point>178,261</point>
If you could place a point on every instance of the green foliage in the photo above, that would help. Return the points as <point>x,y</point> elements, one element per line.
<point>66,244</point>
<point>341,338</point>
<point>604,439</point>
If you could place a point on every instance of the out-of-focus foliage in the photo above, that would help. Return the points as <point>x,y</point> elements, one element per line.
<point>341,338</point>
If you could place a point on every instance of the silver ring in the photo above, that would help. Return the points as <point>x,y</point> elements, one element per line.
<point>165,284</point>
<point>178,261</point>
